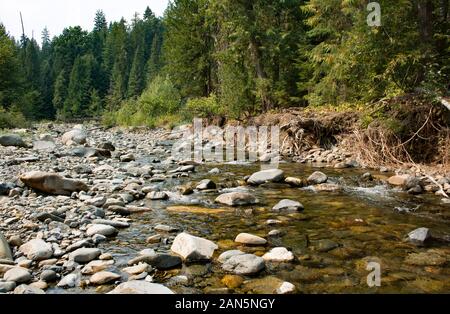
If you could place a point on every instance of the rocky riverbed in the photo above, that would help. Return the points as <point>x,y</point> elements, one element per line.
<point>89,210</point>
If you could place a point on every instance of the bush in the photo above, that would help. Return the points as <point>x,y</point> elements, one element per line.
<point>12,119</point>
<point>158,105</point>
<point>204,107</point>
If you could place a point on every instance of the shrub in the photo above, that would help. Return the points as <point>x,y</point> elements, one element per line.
<point>12,119</point>
<point>160,103</point>
<point>203,107</point>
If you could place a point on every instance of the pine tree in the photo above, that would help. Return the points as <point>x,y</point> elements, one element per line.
<point>10,79</point>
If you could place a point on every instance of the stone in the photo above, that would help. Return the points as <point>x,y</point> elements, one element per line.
<point>95,266</point>
<point>286,288</point>
<point>26,289</point>
<point>5,250</point>
<point>327,187</point>
<point>103,277</point>
<point>228,254</point>
<point>84,255</point>
<point>250,239</point>
<point>279,254</point>
<point>154,239</point>
<point>37,250</point>
<point>127,158</point>
<point>270,175</point>
<point>244,264</point>
<point>136,270</point>
<point>157,196</point>
<point>74,137</point>
<point>265,285</point>
<point>39,285</point>
<point>161,261</point>
<point>7,286</point>
<point>165,228</point>
<point>288,206</point>
<point>18,275</point>
<point>295,182</point>
<point>105,230</point>
<point>140,287</point>
<point>214,171</point>
<point>49,275</point>
<point>44,145</point>
<point>236,199</point>
<point>69,281</point>
<point>206,185</point>
<point>400,180</point>
<point>326,245</point>
<point>96,201</point>
<point>317,178</point>
<point>106,146</point>
<point>419,236</point>
<point>192,248</point>
<point>52,183</point>
<point>232,281</point>
<point>12,140</point>
<point>5,188</point>
<point>113,223</point>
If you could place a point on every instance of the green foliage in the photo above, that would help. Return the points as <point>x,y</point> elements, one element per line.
<point>203,107</point>
<point>160,101</point>
<point>12,118</point>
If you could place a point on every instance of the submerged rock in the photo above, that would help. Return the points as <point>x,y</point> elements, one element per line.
<point>236,199</point>
<point>279,254</point>
<point>288,206</point>
<point>317,178</point>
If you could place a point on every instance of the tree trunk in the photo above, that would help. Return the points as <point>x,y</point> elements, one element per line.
<point>425,11</point>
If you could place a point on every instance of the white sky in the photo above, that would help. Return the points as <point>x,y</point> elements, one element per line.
<point>58,14</point>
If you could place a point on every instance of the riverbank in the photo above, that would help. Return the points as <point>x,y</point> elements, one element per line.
<point>123,204</point>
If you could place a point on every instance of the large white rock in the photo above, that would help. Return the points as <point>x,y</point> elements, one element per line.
<point>270,175</point>
<point>192,248</point>
<point>140,287</point>
<point>75,136</point>
<point>279,254</point>
<point>37,250</point>
<point>250,239</point>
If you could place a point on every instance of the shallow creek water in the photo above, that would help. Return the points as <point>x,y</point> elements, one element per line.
<point>364,219</point>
